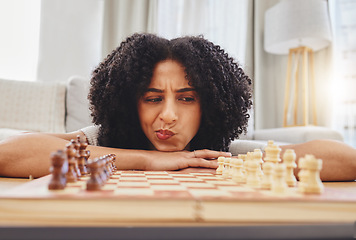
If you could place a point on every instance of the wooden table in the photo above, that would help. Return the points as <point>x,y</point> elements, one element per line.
<point>177,230</point>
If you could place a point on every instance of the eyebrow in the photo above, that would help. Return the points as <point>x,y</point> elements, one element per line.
<point>161,91</point>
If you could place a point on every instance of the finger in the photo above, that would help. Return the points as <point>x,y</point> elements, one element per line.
<point>200,162</point>
<point>209,154</point>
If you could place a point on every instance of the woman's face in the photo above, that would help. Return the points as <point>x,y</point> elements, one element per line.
<point>169,110</point>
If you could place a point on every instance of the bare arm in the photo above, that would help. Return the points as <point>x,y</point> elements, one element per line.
<point>339,159</point>
<point>28,154</point>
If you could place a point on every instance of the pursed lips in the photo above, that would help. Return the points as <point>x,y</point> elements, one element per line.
<point>164,134</point>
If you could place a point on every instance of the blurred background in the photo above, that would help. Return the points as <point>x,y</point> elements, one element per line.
<point>53,40</point>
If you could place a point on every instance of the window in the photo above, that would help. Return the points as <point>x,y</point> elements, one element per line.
<point>343,19</point>
<point>19,25</point>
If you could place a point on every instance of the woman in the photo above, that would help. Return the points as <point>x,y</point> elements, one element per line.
<point>159,104</point>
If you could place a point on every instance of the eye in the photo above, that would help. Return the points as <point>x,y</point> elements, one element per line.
<point>187,99</point>
<point>152,99</point>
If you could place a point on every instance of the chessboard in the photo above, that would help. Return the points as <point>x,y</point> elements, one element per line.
<point>245,189</point>
<point>172,196</point>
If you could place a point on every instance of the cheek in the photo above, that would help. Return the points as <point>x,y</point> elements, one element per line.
<point>147,116</point>
<point>142,114</point>
<point>195,121</point>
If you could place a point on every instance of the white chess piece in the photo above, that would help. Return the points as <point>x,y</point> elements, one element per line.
<point>257,157</point>
<point>279,185</point>
<point>314,184</point>
<point>226,171</point>
<point>220,168</point>
<point>247,162</point>
<point>238,175</point>
<point>303,174</point>
<point>253,178</point>
<point>267,179</point>
<point>272,152</point>
<point>289,158</point>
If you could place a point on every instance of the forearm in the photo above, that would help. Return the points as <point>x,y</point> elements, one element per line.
<point>29,154</point>
<point>339,159</point>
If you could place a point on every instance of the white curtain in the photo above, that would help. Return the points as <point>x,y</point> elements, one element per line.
<point>122,18</point>
<point>228,23</point>
<point>70,38</point>
<point>77,35</point>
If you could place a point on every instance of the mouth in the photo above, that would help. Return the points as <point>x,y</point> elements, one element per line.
<point>163,134</point>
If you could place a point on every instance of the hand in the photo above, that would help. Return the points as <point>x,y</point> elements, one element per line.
<point>183,159</point>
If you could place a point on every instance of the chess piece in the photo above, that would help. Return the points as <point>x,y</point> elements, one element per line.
<point>76,146</point>
<point>247,162</point>
<point>253,178</point>
<point>272,153</point>
<point>220,168</point>
<point>289,158</point>
<point>237,174</point>
<point>257,157</point>
<point>58,169</point>
<point>83,156</point>
<point>113,157</point>
<point>314,184</point>
<point>302,174</point>
<point>95,181</point>
<point>267,178</point>
<point>279,185</point>
<point>102,170</point>
<point>226,171</point>
<point>72,173</point>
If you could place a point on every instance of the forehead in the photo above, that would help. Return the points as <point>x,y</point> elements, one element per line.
<point>169,73</point>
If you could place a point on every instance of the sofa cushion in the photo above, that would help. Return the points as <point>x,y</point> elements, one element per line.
<point>243,146</point>
<point>298,134</point>
<point>32,106</point>
<point>78,114</point>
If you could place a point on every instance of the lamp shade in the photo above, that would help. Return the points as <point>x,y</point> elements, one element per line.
<point>291,23</point>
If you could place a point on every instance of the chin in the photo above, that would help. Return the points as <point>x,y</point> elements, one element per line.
<point>168,148</point>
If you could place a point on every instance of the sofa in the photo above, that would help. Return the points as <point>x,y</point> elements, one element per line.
<point>63,107</point>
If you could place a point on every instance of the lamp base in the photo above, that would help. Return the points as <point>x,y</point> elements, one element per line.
<point>300,73</point>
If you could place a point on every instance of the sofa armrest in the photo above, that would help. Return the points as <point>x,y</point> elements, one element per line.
<point>297,134</point>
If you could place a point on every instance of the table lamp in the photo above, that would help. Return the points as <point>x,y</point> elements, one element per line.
<point>298,28</point>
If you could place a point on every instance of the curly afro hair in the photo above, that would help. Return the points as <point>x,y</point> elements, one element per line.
<point>122,78</point>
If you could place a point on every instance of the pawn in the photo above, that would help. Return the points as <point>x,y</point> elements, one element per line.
<point>76,146</point>
<point>237,175</point>
<point>267,179</point>
<point>226,172</point>
<point>257,157</point>
<point>279,185</point>
<point>243,157</point>
<point>289,158</point>
<point>113,160</point>
<point>253,179</point>
<point>247,162</point>
<point>314,184</point>
<point>83,156</point>
<point>102,170</point>
<point>58,169</point>
<point>72,173</point>
<point>302,174</point>
<point>95,181</point>
<point>220,168</point>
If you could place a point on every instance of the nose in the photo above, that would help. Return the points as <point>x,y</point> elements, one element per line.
<point>169,112</point>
